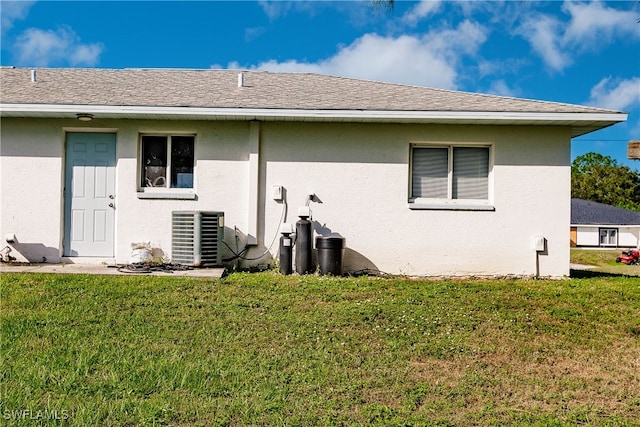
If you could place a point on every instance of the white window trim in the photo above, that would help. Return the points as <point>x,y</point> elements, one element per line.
<point>191,195</point>
<point>608,233</point>
<point>166,192</point>
<point>424,203</point>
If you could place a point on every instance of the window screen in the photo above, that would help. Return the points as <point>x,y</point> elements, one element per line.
<point>450,173</point>
<point>182,162</point>
<point>167,161</point>
<point>430,172</point>
<point>154,161</point>
<point>470,173</point>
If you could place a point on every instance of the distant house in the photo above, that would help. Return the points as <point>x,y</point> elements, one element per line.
<point>599,225</point>
<point>419,181</point>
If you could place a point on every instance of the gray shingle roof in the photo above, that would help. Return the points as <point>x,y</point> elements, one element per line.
<point>264,90</point>
<point>584,212</point>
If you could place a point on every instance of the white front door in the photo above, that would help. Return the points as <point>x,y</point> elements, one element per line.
<point>90,194</point>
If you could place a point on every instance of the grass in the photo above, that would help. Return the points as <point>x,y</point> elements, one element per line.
<point>604,261</point>
<point>263,349</point>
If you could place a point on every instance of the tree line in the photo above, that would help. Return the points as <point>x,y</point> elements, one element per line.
<point>601,179</point>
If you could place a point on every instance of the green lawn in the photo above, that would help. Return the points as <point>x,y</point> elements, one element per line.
<point>604,261</point>
<point>262,349</point>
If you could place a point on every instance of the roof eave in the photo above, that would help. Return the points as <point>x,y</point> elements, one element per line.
<point>580,122</point>
<point>603,225</point>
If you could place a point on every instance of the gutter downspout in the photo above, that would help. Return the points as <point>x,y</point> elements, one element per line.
<point>254,182</point>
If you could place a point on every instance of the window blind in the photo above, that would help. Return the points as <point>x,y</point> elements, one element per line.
<point>434,176</point>
<point>470,173</point>
<point>430,171</point>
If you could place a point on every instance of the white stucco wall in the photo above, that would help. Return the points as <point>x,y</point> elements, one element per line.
<point>628,236</point>
<point>359,172</point>
<point>361,175</point>
<point>32,177</point>
<point>221,183</point>
<point>31,156</point>
<point>590,236</point>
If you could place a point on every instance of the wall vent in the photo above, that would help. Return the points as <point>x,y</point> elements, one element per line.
<point>196,237</point>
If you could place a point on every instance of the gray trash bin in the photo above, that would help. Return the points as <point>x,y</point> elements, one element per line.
<point>330,251</point>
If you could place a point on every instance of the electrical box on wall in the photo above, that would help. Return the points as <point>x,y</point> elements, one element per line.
<point>277,193</point>
<point>540,243</point>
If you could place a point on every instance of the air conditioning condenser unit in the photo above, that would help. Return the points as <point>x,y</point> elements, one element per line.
<point>196,237</point>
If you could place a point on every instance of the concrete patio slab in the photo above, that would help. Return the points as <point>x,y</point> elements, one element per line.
<point>211,273</point>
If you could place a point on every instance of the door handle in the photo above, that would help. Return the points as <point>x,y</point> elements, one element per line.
<point>111,205</point>
<point>111,196</point>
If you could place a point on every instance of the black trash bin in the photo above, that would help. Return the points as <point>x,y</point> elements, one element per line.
<point>330,254</point>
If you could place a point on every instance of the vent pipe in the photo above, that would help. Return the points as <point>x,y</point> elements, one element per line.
<point>33,76</point>
<point>240,80</point>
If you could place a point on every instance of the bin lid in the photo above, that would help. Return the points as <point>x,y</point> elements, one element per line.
<point>330,242</point>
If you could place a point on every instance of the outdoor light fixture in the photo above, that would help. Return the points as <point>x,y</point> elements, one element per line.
<point>84,117</point>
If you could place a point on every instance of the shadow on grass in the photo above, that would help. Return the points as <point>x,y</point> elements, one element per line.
<point>589,274</point>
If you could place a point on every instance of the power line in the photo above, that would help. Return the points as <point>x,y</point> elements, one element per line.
<point>603,140</point>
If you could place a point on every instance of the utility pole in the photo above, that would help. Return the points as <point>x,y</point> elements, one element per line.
<point>633,150</point>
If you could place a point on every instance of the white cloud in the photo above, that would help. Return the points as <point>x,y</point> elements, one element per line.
<point>543,33</point>
<point>590,26</point>
<point>593,24</point>
<point>466,38</point>
<point>421,11</point>
<point>430,60</point>
<point>254,33</point>
<point>37,47</point>
<point>616,94</point>
<point>86,54</point>
<point>500,87</point>
<point>505,66</point>
<point>11,11</point>
<point>275,9</point>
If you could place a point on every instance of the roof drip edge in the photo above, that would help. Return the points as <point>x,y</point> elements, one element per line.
<point>580,122</point>
<point>53,109</point>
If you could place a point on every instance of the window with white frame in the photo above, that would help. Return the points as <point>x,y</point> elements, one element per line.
<point>608,237</point>
<point>449,173</point>
<point>167,161</point>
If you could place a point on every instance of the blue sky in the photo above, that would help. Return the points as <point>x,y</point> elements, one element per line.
<point>580,52</point>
